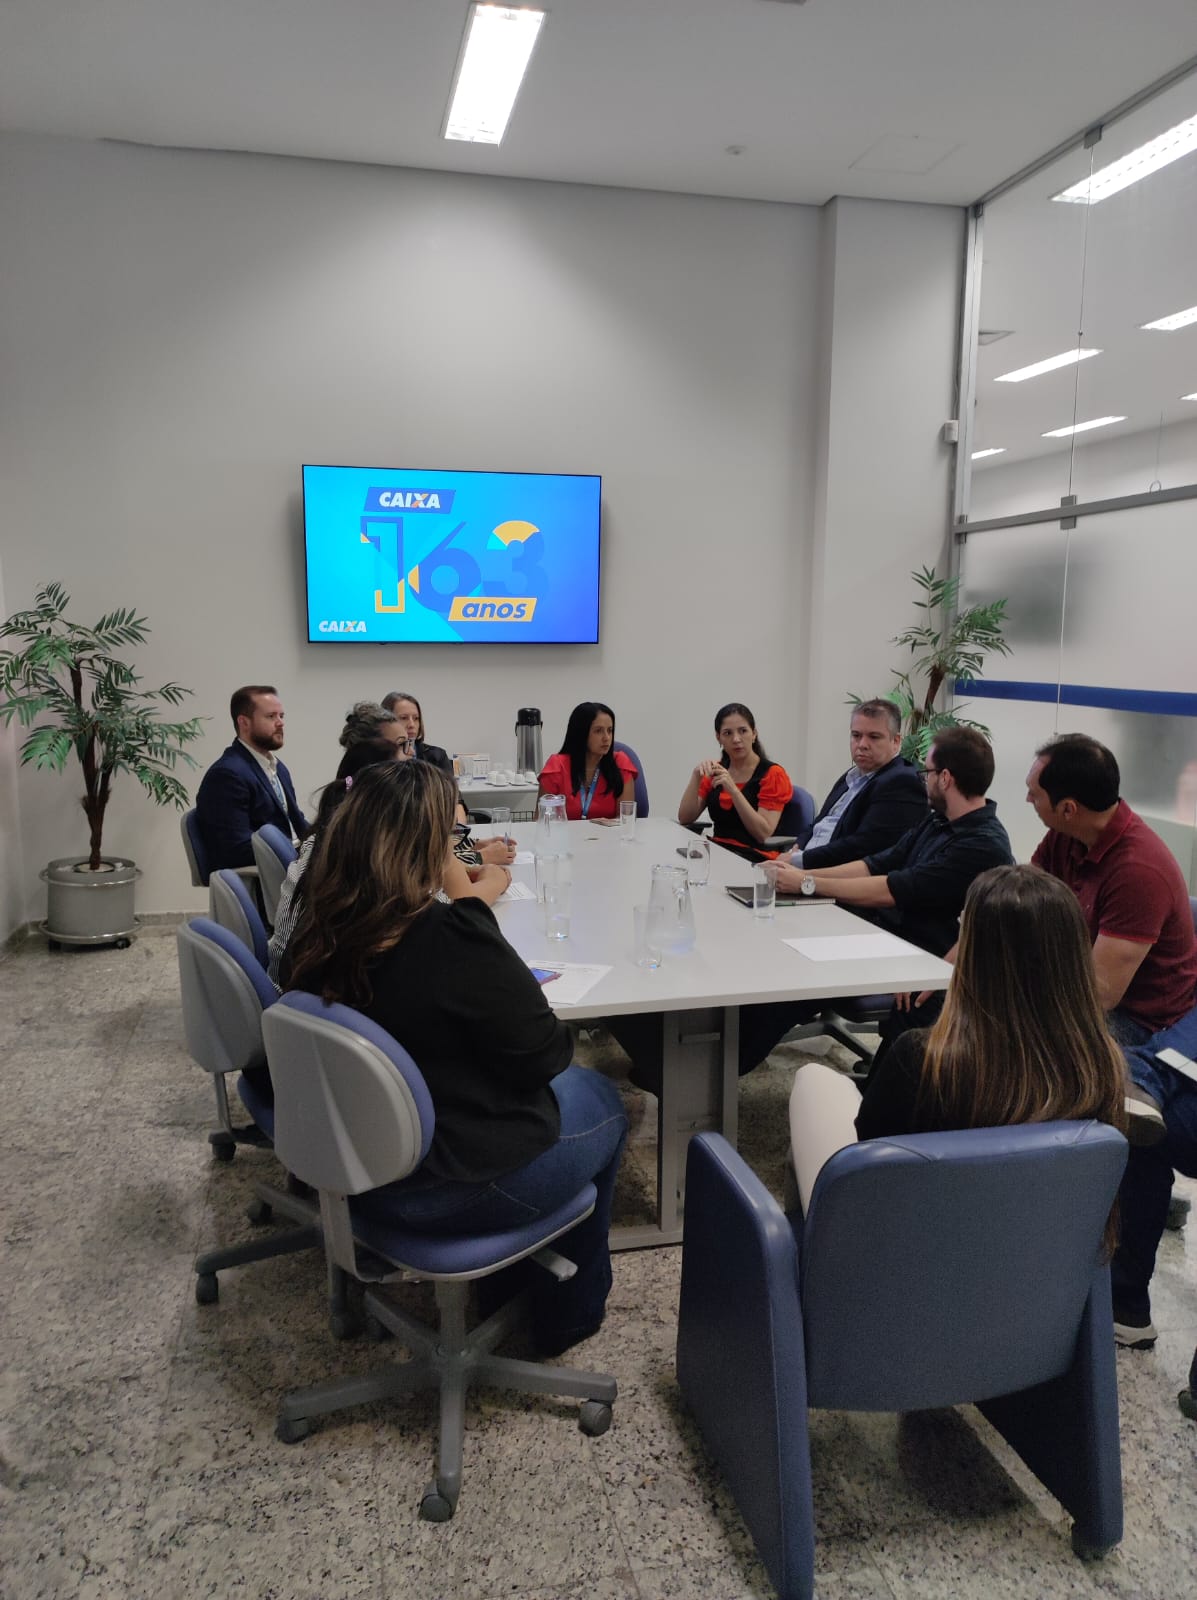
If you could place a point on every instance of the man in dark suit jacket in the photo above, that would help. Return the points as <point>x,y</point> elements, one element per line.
<point>879,798</point>
<point>249,786</point>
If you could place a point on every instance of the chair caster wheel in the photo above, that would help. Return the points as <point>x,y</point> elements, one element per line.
<point>375,1330</point>
<point>343,1325</point>
<point>122,944</point>
<point>1085,1550</point>
<point>207,1289</point>
<point>594,1418</point>
<point>1187,1401</point>
<point>435,1507</point>
<point>259,1212</point>
<point>290,1430</point>
<point>224,1146</point>
<point>1178,1212</point>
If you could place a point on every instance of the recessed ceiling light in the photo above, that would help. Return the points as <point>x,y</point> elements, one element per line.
<point>1081,427</point>
<point>1140,163</point>
<point>994,450</point>
<point>1067,359</point>
<point>491,64</point>
<point>1178,319</point>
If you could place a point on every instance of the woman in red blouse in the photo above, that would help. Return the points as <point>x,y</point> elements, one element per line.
<point>743,792</point>
<point>592,776</point>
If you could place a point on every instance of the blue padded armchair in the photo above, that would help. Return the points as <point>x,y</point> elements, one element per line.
<point>641,785</point>
<point>225,993</point>
<point>273,854</point>
<point>353,1116</point>
<point>930,1271</point>
<point>231,906</point>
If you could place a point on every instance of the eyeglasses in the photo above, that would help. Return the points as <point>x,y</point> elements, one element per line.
<point>927,771</point>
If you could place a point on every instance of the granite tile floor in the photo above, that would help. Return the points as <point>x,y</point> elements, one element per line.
<point>137,1449</point>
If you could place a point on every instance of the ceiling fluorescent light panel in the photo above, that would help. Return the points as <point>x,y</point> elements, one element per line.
<point>1081,427</point>
<point>1068,358</point>
<point>1178,319</point>
<point>1137,164</point>
<point>994,450</point>
<point>494,56</point>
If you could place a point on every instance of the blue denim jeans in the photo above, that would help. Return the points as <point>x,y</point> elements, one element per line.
<point>1147,1182</point>
<point>594,1130</point>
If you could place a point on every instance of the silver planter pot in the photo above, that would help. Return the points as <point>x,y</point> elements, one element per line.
<point>85,907</point>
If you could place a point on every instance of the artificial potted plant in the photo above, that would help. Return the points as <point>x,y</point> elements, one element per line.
<point>949,645</point>
<point>64,683</point>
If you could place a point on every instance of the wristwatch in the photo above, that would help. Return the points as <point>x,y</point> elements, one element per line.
<point>808,884</point>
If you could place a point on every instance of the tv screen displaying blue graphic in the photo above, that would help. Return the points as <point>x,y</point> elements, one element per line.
<point>408,556</point>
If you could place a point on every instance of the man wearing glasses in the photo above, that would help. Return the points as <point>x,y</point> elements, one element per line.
<point>915,889</point>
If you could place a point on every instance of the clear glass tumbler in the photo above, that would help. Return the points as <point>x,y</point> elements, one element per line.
<point>698,862</point>
<point>627,821</point>
<point>764,890</point>
<point>557,898</point>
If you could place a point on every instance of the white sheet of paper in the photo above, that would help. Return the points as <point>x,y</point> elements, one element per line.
<point>524,858</point>
<point>851,947</point>
<point>576,980</point>
<point>517,891</point>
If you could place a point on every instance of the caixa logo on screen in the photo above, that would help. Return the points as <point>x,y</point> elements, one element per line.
<point>340,627</point>
<point>409,500</point>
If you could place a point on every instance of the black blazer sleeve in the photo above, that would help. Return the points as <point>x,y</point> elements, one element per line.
<point>890,806</point>
<point>223,808</point>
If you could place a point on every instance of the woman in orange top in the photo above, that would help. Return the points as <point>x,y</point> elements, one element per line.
<point>743,792</point>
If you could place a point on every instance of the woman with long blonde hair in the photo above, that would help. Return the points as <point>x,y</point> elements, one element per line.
<point>518,1129</point>
<point>1021,1037</point>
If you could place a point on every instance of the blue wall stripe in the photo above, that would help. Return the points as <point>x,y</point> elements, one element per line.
<point>1154,702</point>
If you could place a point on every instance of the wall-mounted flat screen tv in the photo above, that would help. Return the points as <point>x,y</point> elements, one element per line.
<point>400,555</point>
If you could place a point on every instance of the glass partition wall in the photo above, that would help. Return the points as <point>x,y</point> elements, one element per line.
<point>1077,473</point>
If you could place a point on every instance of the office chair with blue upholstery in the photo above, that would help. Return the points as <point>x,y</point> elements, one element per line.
<point>273,854</point>
<point>231,906</point>
<point>797,817</point>
<point>353,1115</point>
<point>930,1271</point>
<point>195,849</point>
<point>225,992</point>
<point>641,784</point>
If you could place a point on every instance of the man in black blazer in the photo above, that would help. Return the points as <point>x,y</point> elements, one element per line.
<point>879,798</point>
<point>249,786</point>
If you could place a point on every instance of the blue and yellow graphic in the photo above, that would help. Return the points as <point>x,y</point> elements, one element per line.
<point>414,556</point>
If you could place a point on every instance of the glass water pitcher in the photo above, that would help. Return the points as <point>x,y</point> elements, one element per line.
<point>671,892</point>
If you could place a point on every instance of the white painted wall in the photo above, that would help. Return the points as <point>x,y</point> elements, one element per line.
<point>882,475</point>
<point>183,329</point>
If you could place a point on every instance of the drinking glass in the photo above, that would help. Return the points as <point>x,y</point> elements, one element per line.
<point>648,932</point>
<point>551,868</point>
<point>698,862</point>
<point>764,890</point>
<point>627,821</point>
<point>556,909</point>
<point>500,817</point>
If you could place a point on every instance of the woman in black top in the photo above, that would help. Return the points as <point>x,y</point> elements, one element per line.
<point>1021,1037</point>
<point>518,1129</point>
<point>405,708</point>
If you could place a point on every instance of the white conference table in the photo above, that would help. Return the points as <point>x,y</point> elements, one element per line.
<point>738,960</point>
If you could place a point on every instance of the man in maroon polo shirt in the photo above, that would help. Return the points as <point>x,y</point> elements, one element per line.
<point>1131,890</point>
